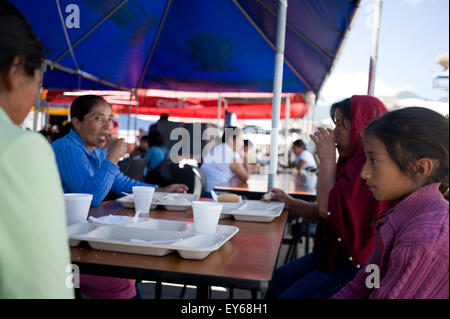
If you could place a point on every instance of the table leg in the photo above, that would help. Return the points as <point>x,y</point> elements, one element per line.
<point>308,231</point>
<point>203,292</point>
<point>158,288</point>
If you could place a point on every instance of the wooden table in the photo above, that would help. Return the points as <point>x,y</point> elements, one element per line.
<point>256,186</point>
<point>246,261</point>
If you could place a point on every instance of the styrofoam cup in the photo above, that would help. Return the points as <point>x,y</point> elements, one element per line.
<point>143,196</point>
<point>77,207</point>
<point>206,216</point>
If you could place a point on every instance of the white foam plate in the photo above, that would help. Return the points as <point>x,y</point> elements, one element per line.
<point>128,202</point>
<point>79,229</point>
<point>257,211</point>
<point>170,201</point>
<point>227,207</point>
<point>153,237</point>
<point>174,201</point>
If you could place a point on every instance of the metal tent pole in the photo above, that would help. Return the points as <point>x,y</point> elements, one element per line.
<point>219,110</point>
<point>277,88</point>
<point>374,53</point>
<point>37,103</point>
<point>136,112</point>
<point>129,114</point>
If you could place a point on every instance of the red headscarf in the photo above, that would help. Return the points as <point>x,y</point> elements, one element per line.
<point>348,233</point>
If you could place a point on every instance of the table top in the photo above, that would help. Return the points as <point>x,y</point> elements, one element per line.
<point>246,261</point>
<point>257,184</point>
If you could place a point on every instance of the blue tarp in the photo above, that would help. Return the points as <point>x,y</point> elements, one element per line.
<point>203,45</point>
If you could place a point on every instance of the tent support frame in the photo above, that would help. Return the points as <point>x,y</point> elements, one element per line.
<point>84,36</point>
<point>277,88</point>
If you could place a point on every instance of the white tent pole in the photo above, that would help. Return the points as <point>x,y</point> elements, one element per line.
<point>277,88</point>
<point>374,53</point>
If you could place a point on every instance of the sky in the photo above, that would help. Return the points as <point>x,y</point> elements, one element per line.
<point>413,34</point>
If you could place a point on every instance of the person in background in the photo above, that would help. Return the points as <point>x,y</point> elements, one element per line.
<point>163,118</point>
<point>139,151</point>
<point>407,162</point>
<point>304,159</point>
<point>249,150</point>
<point>34,253</point>
<point>226,160</point>
<point>156,153</point>
<point>87,161</point>
<point>344,211</point>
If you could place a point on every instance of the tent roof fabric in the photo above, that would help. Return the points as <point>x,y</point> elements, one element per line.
<point>195,45</point>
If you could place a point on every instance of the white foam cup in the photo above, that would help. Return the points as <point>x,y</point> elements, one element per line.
<point>143,196</point>
<point>77,207</point>
<point>206,216</point>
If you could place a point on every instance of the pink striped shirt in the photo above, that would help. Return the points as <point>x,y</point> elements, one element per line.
<point>411,251</point>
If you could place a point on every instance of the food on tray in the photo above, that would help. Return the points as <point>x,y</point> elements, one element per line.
<point>268,196</point>
<point>174,200</point>
<point>167,198</point>
<point>228,197</point>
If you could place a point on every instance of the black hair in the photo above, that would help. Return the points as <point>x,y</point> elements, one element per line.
<point>343,106</point>
<point>164,117</point>
<point>17,39</point>
<point>144,138</point>
<point>82,105</point>
<point>299,143</point>
<point>226,133</point>
<point>413,133</point>
<point>155,138</point>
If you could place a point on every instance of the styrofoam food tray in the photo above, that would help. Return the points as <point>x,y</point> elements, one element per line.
<point>152,237</point>
<point>170,201</point>
<point>128,202</point>
<point>227,207</point>
<point>257,211</point>
<point>174,201</point>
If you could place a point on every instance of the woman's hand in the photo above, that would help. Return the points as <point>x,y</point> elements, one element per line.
<point>174,188</point>
<point>116,147</point>
<point>278,195</point>
<point>325,145</point>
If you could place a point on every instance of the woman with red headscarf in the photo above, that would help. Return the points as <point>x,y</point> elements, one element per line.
<point>345,208</point>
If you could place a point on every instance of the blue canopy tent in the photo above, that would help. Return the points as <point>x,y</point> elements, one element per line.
<point>195,45</point>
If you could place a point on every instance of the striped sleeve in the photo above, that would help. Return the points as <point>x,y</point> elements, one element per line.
<point>77,175</point>
<point>414,273</point>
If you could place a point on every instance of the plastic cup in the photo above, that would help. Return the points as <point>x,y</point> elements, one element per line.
<point>77,207</point>
<point>143,196</point>
<point>206,216</point>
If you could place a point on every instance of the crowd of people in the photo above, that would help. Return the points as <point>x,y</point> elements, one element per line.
<point>383,202</point>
